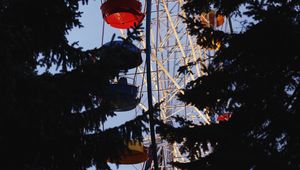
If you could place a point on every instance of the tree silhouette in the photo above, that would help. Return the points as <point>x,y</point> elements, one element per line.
<point>52,121</point>
<point>255,77</point>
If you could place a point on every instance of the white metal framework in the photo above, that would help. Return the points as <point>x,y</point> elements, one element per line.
<point>172,47</point>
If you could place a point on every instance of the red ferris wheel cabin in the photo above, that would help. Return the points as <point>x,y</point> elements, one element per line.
<point>122,14</point>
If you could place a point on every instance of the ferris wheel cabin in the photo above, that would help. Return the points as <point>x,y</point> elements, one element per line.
<point>121,55</point>
<point>136,153</point>
<point>122,14</point>
<point>122,96</point>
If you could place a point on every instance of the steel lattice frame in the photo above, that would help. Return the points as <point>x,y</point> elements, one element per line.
<point>172,47</point>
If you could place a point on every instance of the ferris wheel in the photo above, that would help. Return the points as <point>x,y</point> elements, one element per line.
<point>171,48</point>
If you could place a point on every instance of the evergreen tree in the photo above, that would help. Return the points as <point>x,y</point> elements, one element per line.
<point>254,76</point>
<point>52,121</point>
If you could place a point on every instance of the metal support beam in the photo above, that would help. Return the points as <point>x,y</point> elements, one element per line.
<point>176,34</point>
<point>149,86</point>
